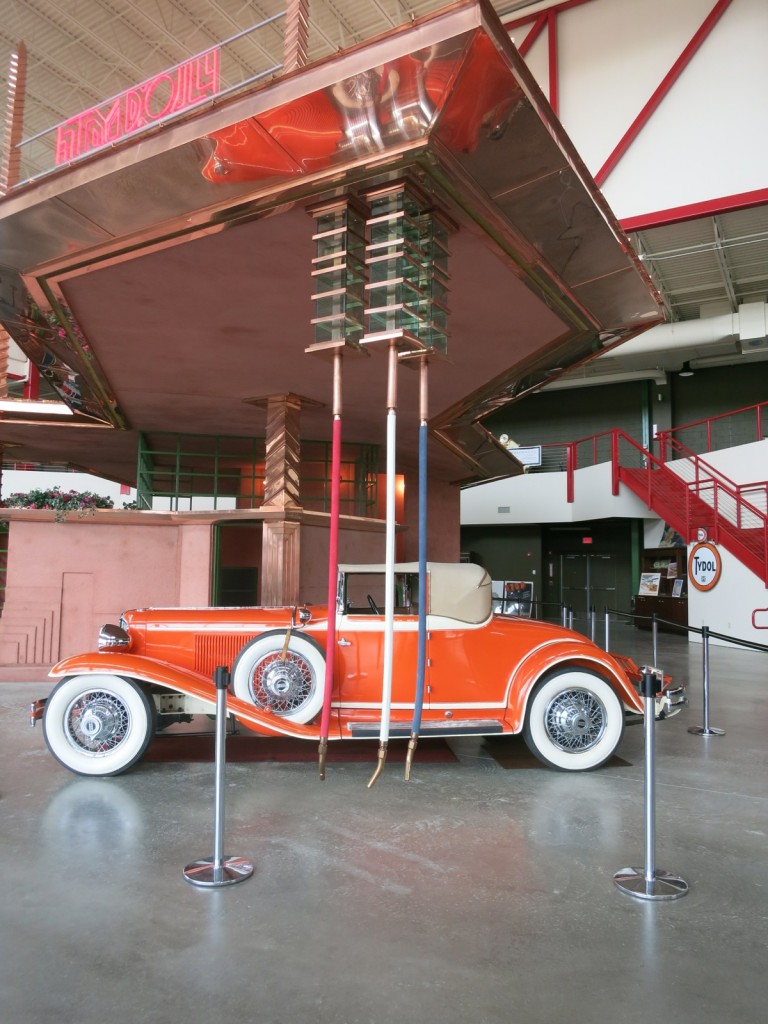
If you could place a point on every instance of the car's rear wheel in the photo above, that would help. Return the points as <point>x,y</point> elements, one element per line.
<point>98,724</point>
<point>285,680</point>
<point>574,721</point>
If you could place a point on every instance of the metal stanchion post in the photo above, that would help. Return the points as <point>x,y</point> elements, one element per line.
<point>218,870</point>
<point>564,610</point>
<point>592,623</point>
<point>648,883</point>
<point>655,638</point>
<point>705,729</point>
<point>607,630</point>
<point>570,617</point>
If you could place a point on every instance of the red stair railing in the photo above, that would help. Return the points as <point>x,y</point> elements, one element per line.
<point>680,487</point>
<point>695,495</point>
<point>728,430</point>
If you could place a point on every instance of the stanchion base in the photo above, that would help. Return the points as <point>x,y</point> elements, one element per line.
<point>208,874</point>
<point>699,730</point>
<point>663,885</point>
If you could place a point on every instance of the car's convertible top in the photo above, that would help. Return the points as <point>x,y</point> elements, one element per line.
<point>455,590</point>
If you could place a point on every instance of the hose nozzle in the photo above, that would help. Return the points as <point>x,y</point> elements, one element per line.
<point>382,757</point>
<point>412,744</point>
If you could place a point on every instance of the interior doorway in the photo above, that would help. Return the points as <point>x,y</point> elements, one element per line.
<point>587,581</point>
<point>236,564</point>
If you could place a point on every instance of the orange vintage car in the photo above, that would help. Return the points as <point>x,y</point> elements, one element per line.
<point>486,674</point>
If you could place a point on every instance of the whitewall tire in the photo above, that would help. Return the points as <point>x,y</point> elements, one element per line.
<point>574,720</point>
<point>98,724</point>
<point>286,681</point>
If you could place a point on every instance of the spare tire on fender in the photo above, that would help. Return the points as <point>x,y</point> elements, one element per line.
<point>284,680</point>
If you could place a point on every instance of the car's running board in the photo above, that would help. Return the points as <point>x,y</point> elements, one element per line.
<point>476,727</point>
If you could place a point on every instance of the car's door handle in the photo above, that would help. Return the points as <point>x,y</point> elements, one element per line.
<point>345,643</point>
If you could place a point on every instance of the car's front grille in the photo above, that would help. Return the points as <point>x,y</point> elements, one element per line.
<point>218,649</point>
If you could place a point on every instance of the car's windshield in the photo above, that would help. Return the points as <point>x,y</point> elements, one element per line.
<point>364,593</point>
<point>453,590</point>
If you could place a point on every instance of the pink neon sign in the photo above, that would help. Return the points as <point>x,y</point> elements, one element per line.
<point>167,93</point>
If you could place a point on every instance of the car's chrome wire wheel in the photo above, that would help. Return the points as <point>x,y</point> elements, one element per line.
<point>281,673</point>
<point>282,683</point>
<point>97,722</point>
<point>575,720</point>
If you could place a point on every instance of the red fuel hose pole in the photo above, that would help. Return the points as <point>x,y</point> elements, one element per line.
<point>333,564</point>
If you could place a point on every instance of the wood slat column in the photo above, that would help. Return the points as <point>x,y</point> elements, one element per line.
<point>296,39</point>
<point>280,552</point>
<point>10,155</point>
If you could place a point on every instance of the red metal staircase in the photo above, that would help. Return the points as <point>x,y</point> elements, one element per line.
<point>689,494</point>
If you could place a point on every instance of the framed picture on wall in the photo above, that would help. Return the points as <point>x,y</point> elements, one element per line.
<point>518,598</point>
<point>650,583</point>
<point>677,588</point>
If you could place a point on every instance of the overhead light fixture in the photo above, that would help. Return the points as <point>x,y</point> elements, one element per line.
<point>585,380</point>
<point>686,371</point>
<point>27,407</point>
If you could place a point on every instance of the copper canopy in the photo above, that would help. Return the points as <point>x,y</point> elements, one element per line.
<point>183,257</point>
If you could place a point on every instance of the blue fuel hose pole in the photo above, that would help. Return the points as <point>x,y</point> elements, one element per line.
<point>421,655</point>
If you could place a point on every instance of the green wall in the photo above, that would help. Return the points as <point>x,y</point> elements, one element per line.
<point>536,553</point>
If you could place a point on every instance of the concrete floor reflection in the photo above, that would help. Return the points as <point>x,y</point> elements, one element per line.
<point>475,892</point>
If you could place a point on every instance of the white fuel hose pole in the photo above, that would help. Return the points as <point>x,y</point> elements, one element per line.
<point>389,565</point>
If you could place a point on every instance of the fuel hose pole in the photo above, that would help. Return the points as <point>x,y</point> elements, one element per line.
<point>389,566</point>
<point>339,275</point>
<point>421,654</point>
<point>333,562</point>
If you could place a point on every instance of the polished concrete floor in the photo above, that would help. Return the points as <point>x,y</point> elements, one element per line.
<point>474,893</point>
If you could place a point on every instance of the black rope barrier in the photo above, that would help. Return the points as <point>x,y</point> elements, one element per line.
<point>750,644</point>
<point>706,634</point>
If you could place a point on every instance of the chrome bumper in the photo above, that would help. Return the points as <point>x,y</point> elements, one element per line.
<point>36,709</point>
<point>670,701</point>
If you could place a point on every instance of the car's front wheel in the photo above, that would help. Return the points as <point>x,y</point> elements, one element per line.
<point>574,720</point>
<point>284,675</point>
<point>98,724</point>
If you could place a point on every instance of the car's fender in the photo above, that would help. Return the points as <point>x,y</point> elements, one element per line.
<point>554,654</point>
<point>160,673</point>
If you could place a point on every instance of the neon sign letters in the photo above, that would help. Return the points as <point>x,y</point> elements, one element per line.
<point>166,94</point>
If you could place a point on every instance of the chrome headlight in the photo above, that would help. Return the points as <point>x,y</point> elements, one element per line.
<point>111,636</point>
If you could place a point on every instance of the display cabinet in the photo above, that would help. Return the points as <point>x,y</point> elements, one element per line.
<point>663,589</point>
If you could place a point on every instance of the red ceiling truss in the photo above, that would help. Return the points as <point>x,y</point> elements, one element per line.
<point>547,22</point>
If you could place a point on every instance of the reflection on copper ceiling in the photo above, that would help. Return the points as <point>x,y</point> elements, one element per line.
<point>445,101</point>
